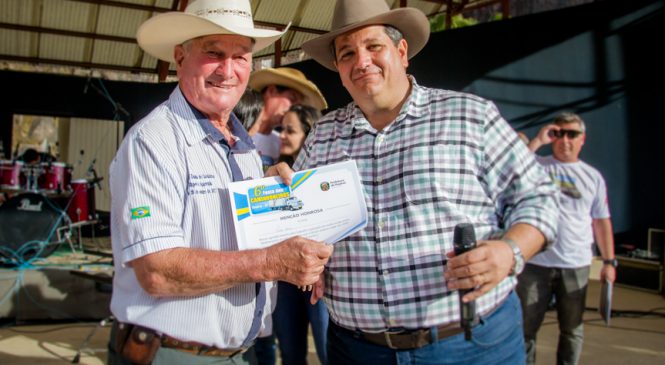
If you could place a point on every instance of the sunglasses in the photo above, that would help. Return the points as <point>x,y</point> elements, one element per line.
<point>571,133</point>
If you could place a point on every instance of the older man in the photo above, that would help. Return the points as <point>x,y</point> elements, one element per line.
<point>562,272</point>
<point>182,291</point>
<point>429,160</point>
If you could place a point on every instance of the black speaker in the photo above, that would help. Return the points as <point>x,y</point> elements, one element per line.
<point>640,274</point>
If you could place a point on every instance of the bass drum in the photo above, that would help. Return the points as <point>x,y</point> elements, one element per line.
<point>28,224</point>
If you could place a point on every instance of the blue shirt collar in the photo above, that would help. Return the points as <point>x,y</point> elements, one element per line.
<point>243,143</point>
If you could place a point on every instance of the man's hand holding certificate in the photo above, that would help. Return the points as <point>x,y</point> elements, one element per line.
<point>324,204</point>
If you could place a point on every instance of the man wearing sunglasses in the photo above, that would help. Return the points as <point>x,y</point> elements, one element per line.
<point>562,271</point>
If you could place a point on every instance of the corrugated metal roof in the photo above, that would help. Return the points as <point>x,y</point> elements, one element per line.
<point>318,14</point>
<point>100,34</point>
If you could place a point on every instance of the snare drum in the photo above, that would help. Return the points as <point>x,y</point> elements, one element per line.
<point>55,176</point>
<point>10,174</point>
<point>82,202</point>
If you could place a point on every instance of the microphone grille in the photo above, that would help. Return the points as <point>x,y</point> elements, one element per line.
<point>464,233</point>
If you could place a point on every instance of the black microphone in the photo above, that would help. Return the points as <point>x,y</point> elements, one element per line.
<point>464,240</point>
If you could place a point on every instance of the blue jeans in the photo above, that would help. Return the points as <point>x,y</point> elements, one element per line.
<point>536,287</point>
<point>498,339</point>
<point>291,318</point>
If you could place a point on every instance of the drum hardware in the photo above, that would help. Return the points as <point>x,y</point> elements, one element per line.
<point>29,225</point>
<point>80,208</point>
<point>34,224</point>
<point>49,178</point>
<point>43,208</point>
<point>30,177</point>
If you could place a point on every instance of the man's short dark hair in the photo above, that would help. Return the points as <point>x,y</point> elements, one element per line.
<point>280,89</point>
<point>393,33</point>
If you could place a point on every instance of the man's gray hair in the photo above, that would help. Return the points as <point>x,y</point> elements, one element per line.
<point>567,117</point>
<point>393,33</point>
<point>187,45</point>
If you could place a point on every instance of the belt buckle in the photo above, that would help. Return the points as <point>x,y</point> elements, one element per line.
<point>213,351</point>
<point>389,342</point>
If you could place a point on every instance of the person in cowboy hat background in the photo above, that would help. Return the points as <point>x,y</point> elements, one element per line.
<point>284,95</point>
<point>429,160</point>
<point>281,88</point>
<point>182,292</point>
<point>294,312</point>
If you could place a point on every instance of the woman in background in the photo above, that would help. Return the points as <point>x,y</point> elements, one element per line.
<point>247,110</point>
<point>296,124</point>
<point>294,312</point>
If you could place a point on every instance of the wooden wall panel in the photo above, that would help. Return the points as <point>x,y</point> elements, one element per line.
<point>93,140</point>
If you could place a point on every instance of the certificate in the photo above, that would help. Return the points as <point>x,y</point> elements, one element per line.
<point>324,204</point>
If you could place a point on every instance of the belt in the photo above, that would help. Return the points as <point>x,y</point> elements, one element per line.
<point>198,349</point>
<point>406,339</point>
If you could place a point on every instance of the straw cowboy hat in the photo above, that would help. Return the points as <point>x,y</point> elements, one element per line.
<point>160,34</point>
<point>352,14</point>
<point>291,78</point>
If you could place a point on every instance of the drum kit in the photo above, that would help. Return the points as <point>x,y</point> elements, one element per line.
<point>43,202</point>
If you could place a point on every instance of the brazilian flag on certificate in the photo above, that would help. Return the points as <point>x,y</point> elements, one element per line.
<point>140,212</point>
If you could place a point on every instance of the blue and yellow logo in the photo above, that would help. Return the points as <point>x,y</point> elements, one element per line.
<point>242,206</point>
<point>140,212</point>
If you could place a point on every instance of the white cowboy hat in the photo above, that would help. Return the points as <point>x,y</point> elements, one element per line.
<point>160,34</point>
<point>352,14</point>
<point>291,78</point>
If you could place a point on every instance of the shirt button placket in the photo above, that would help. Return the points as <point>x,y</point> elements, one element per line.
<point>380,220</point>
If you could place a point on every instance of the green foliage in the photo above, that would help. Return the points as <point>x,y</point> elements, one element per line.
<point>438,23</point>
<point>460,21</point>
<point>497,16</point>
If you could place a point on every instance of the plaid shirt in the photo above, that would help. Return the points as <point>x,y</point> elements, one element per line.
<point>447,158</point>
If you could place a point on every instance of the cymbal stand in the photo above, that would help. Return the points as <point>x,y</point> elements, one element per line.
<point>84,345</point>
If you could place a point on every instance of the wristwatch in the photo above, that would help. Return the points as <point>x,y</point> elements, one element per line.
<point>518,264</point>
<point>612,262</point>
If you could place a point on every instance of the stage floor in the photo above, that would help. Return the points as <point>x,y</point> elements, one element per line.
<point>65,285</point>
<point>630,339</point>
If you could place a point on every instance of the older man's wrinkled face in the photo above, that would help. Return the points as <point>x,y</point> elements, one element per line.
<point>369,63</point>
<point>214,71</point>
